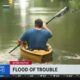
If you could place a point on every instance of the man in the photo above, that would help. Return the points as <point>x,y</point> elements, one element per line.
<point>36,37</point>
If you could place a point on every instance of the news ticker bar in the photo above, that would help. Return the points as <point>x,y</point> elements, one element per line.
<point>27,68</point>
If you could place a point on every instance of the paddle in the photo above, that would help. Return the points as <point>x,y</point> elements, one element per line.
<point>60,13</point>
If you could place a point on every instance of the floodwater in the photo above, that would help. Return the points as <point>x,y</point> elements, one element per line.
<point>18,15</point>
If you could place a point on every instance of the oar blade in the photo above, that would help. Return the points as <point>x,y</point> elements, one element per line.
<point>62,12</point>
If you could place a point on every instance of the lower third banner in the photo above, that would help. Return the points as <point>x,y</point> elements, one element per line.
<point>44,69</point>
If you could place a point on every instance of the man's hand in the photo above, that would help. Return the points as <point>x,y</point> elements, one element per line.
<point>45,25</point>
<point>22,43</point>
<point>19,42</point>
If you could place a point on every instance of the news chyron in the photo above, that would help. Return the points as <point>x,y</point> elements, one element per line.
<point>29,69</point>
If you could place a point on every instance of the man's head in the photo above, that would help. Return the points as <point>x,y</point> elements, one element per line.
<point>38,23</point>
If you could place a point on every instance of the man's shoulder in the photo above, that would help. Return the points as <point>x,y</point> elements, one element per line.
<point>45,31</point>
<point>31,29</point>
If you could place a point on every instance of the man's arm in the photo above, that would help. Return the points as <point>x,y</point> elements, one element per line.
<point>45,26</point>
<point>23,39</point>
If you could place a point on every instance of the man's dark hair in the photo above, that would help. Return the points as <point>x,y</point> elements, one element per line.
<point>38,23</point>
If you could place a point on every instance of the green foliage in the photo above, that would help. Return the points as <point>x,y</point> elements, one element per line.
<point>75,4</point>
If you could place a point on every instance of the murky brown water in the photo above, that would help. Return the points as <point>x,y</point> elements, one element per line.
<point>18,15</point>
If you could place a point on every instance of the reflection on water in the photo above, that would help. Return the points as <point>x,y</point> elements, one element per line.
<point>41,10</point>
<point>6,57</point>
<point>24,5</point>
<point>18,15</point>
